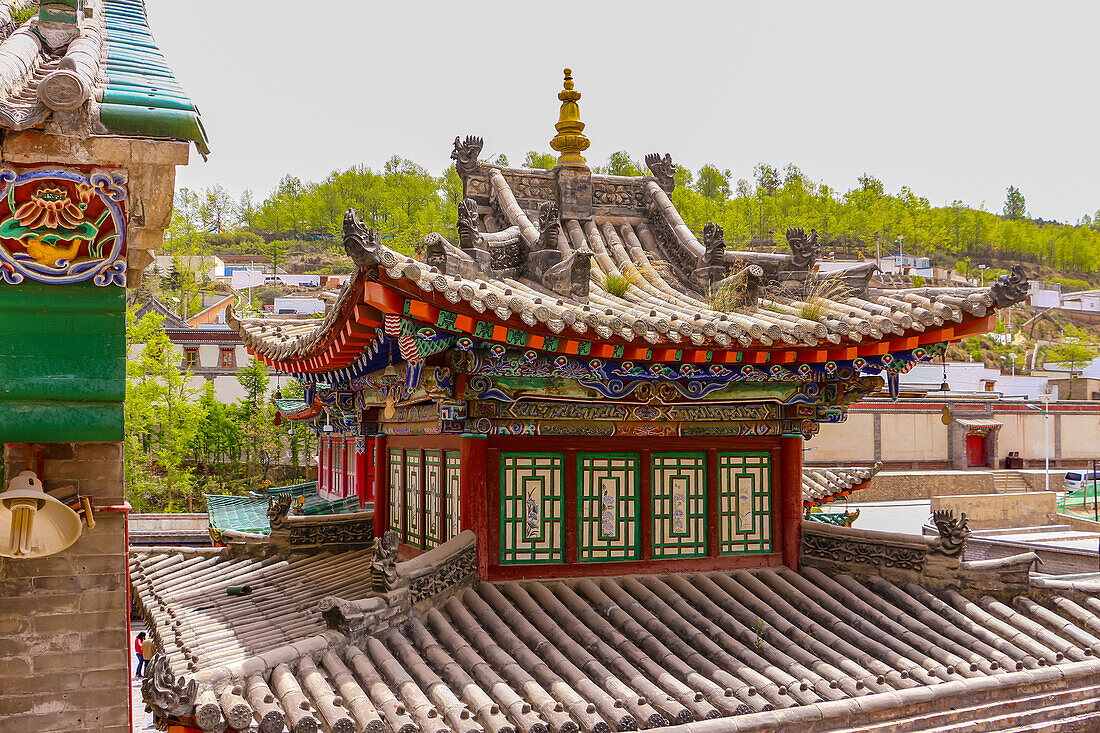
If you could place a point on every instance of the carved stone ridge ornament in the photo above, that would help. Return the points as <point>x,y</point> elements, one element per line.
<point>663,170</point>
<point>60,227</point>
<point>455,570</point>
<point>465,155</point>
<point>804,248</point>
<point>278,508</point>
<point>383,563</point>
<point>360,242</point>
<point>953,532</point>
<point>848,551</point>
<point>1011,288</point>
<point>469,238</point>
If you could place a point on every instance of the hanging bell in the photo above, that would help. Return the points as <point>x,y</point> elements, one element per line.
<point>389,372</point>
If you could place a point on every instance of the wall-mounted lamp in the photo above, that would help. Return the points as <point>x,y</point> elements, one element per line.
<point>33,523</point>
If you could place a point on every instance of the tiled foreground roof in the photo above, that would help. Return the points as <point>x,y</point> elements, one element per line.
<point>113,66</point>
<point>822,485</point>
<point>199,624</point>
<point>597,654</point>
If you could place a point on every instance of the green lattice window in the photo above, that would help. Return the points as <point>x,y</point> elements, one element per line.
<point>433,500</point>
<point>397,490</point>
<point>452,476</point>
<point>412,498</point>
<point>679,505</point>
<point>608,507</point>
<point>532,529</point>
<point>744,496</point>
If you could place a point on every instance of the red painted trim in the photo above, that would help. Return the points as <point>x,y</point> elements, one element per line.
<point>790,499</point>
<point>687,565</point>
<point>645,491</point>
<point>712,502</point>
<point>569,507</point>
<point>490,510</point>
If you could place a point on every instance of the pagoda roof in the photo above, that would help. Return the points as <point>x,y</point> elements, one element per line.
<point>100,60</point>
<point>618,288</point>
<point>768,648</point>
<point>571,262</point>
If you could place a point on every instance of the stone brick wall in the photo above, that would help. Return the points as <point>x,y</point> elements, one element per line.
<point>906,486</point>
<point>64,648</point>
<point>997,511</point>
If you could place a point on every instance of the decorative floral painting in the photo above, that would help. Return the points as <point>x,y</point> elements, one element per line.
<point>61,226</point>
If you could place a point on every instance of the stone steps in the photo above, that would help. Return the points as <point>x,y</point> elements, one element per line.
<point>1009,482</point>
<point>1077,708</point>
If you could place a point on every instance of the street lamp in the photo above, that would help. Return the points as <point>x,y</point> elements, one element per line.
<point>1045,409</point>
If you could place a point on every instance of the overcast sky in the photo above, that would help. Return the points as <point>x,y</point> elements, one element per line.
<point>955,99</point>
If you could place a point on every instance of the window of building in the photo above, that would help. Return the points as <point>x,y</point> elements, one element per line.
<point>190,357</point>
<point>227,358</point>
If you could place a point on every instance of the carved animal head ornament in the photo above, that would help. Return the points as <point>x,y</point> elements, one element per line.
<point>465,154</point>
<point>360,241</point>
<point>278,508</point>
<point>469,238</point>
<point>714,242</point>
<point>803,248</point>
<point>1011,288</point>
<point>663,170</point>
<point>549,225</point>
<point>953,532</point>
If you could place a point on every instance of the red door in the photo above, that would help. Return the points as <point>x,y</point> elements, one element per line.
<point>975,450</point>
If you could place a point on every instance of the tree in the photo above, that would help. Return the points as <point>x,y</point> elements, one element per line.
<point>1074,354</point>
<point>620,164</point>
<point>767,179</point>
<point>539,161</point>
<point>713,183</point>
<point>1015,206</point>
<point>870,184</point>
<point>501,159</point>
<point>217,207</point>
<point>160,419</point>
<point>246,209</point>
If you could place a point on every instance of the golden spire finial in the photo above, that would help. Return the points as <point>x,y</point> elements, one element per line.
<point>570,140</point>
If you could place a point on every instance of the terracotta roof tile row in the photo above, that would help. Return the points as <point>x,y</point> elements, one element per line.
<point>626,653</point>
<point>822,485</point>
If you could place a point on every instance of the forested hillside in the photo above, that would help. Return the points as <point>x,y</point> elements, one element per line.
<point>406,201</point>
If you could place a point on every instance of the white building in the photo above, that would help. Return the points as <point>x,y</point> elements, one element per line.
<point>299,305</point>
<point>209,266</point>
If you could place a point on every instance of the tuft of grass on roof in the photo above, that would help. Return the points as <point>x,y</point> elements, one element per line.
<point>616,285</point>
<point>19,16</point>
<point>820,291</point>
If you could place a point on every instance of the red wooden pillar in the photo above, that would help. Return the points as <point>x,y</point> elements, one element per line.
<point>362,478</point>
<point>473,503</point>
<point>381,486</point>
<point>790,499</point>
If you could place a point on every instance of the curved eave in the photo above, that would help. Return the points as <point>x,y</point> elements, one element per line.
<point>824,485</point>
<point>352,325</point>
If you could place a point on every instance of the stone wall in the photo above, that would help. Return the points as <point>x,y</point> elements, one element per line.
<point>63,619</point>
<point>908,486</point>
<point>997,511</point>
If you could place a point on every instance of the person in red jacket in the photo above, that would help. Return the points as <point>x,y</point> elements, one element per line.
<point>138,643</point>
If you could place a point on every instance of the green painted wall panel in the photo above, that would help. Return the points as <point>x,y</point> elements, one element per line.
<point>62,362</point>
